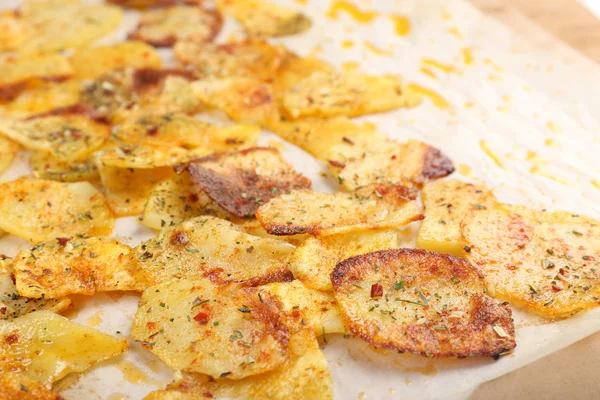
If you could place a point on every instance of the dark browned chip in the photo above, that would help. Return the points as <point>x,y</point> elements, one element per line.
<point>436,164</point>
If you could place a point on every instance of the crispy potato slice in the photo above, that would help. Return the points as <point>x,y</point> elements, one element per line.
<point>41,96</point>
<point>295,69</point>
<point>24,346</point>
<point>17,386</point>
<point>13,305</point>
<point>545,261</point>
<point>8,152</point>
<point>421,302</point>
<point>329,94</point>
<point>253,227</point>
<point>219,331</point>
<point>313,261</point>
<point>37,209</point>
<point>240,182</point>
<point>65,266</point>
<point>324,214</point>
<point>14,31</point>
<point>364,161</point>
<point>303,376</point>
<point>147,157</point>
<point>446,203</point>
<point>211,247</point>
<point>45,166</point>
<point>165,26</point>
<point>262,18</point>
<point>15,71</point>
<point>93,62</point>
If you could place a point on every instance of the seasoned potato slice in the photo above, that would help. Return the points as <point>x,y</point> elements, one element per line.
<point>64,266</point>
<point>329,94</point>
<point>93,62</point>
<point>17,386</point>
<point>45,166</point>
<point>40,96</point>
<point>13,305</point>
<point>164,27</point>
<point>24,346</point>
<point>240,182</point>
<point>295,69</point>
<point>447,203</point>
<point>304,375</point>
<point>421,302</point>
<point>15,71</point>
<point>262,18</point>
<point>219,331</point>
<point>147,157</point>
<point>324,214</point>
<point>8,151</point>
<point>211,247</point>
<point>365,161</point>
<point>313,261</point>
<point>545,261</point>
<point>37,209</point>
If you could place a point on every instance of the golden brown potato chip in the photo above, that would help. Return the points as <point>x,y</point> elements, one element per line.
<point>45,166</point>
<point>324,214</point>
<point>38,210</point>
<point>164,27</point>
<point>446,204</point>
<point>421,302</point>
<point>219,331</point>
<point>211,247</point>
<point>240,182</point>
<point>262,18</point>
<point>65,266</point>
<point>17,386</point>
<point>41,96</point>
<point>24,346</point>
<point>295,69</point>
<point>8,152</point>
<point>545,261</point>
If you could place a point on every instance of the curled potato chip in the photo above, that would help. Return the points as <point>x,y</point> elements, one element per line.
<point>15,71</point>
<point>304,375</point>
<point>240,182</point>
<point>421,302</point>
<point>324,214</point>
<point>163,27</point>
<point>8,152</point>
<point>194,325</point>
<point>65,266</point>
<point>211,247</point>
<point>262,18</point>
<point>24,346</point>
<point>447,203</point>
<point>37,209</point>
<point>41,96</point>
<point>330,94</point>
<point>45,166</point>
<point>544,261</point>
<point>17,386</point>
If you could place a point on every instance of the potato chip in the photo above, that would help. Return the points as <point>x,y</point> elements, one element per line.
<point>14,31</point>
<point>211,247</point>
<point>324,214</point>
<point>295,69</point>
<point>446,204</point>
<point>544,261</point>
<point>37,209</point>
<point>8,152</point>
<point>223,332</point>
<point>15,71</point>
<point>240,182</point>
<point>304,375</point>
<point>13,305</point>
<point>24,346</point>
<point>93,62</point>
<point>45,166</point>
<point>163,27</point>
<point>65,266</point>
<point>147,157</point>
<point>262,18</point>
<point>421,302</point>
<point>253,227</point>
<point>313,261</point>
<point>17,386</point>
<point>32,6</point>
<point>40,96</point>
<point>329,94</point>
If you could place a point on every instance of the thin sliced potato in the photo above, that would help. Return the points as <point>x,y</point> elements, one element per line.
<point>324,214</point>
<point>147,157</point>
<point>8,152</point>
<point>223,332</point>
<point>240,182</point>
<point>15,71</point>
<point>24,346</point>
<point>17,386</point>
<point>211,247</point>
<point>295,69</point>
<point>253,227</point>
<point>45,166</point>
<point>41,96</point>
<point>38,210</point>
<point>421,302</point>
<point>544,261</point>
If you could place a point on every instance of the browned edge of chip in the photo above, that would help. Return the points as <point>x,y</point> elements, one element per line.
<point>147,78</point>
<point>275,276</point>
<point>10,91</point>
<point>75,109</point>
<point>436,164</point>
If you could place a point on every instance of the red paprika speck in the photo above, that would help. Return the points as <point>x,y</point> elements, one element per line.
<point>556,288</point>
<point>202,318</point>
<point>62,241</point>
<point>376,290</point>
<point>193,197</point>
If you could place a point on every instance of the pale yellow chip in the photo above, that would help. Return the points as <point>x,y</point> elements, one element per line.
<point>37,209</point>
<point>314,260</point>
<point>147,157</point>
<point>39,96</point>
<point>45,346</point>
<point>8,152</point>
<point>303,376</point>
<point>45,166</point>
<point>295,69</point>
<point>13,305</point>
<point>211,247</point>
<point>330,94</point>
<point>93,62</point>
<point>21,68</point>
<point>196,326</point>
<point>544,261</point>
<point>263,18</point>
<point>15,385</point>
<point>65,266</point>
<point>324,214</point>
